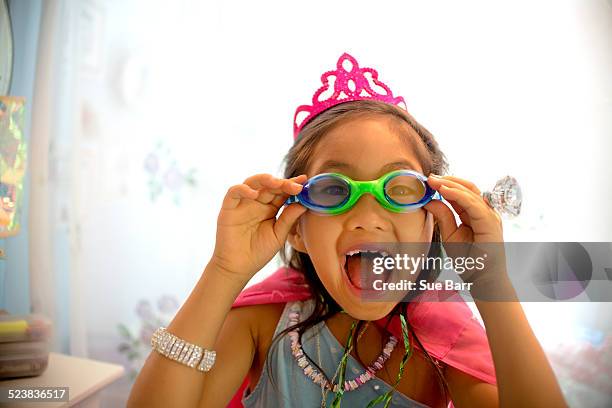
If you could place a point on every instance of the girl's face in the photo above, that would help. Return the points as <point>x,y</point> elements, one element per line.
<point>363,148</point>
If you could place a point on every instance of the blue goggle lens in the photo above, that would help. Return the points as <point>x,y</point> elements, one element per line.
<point>327,191</point>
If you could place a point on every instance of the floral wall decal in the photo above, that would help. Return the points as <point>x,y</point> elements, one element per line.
<point>135,345</point>
<point>165,174</point>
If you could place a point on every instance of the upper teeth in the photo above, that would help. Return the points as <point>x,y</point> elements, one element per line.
<point>358,251</point>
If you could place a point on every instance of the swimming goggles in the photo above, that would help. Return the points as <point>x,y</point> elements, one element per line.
<point>334,193</point>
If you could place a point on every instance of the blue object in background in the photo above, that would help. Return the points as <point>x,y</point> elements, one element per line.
<point>14,267</point>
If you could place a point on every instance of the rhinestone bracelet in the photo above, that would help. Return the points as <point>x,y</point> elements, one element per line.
<point>181,351</point>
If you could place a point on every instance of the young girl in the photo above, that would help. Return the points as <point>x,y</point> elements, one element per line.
<point>306,336</point>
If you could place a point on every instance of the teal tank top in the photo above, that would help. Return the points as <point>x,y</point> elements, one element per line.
<point>292,388</point>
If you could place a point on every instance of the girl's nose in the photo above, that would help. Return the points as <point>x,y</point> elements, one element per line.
<point>368,215</point>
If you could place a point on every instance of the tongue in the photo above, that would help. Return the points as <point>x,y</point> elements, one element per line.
<point>359,270</point>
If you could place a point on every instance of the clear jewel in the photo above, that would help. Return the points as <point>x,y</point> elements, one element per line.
<point>506,197</point>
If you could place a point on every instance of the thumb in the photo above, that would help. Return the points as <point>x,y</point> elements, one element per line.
<point>444,216</point>
<point>285,221</point>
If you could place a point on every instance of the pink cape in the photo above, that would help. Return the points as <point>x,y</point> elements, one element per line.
<point>448,330</point>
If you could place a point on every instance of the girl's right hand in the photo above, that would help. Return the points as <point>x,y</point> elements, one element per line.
<point>248,232</point>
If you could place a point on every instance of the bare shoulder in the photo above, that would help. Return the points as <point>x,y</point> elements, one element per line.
<point>261,319</point>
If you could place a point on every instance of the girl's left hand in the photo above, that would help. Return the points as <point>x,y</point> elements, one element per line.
<point>480,222</point>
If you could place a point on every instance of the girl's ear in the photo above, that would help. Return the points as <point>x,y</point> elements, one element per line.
<point>295,238</point>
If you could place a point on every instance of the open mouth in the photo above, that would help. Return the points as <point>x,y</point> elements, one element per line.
<point>365,265</point>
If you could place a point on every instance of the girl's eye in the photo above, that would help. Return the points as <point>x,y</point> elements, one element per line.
<point>405,190</point>
<point>335,190</point>
<point>400,191</point>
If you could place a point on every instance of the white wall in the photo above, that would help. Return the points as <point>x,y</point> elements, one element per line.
<point>520,88</point>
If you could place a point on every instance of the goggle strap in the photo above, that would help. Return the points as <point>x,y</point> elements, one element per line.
<point>292,199</point>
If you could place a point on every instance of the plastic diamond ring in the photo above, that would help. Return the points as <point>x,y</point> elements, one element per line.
<point>506,197</point>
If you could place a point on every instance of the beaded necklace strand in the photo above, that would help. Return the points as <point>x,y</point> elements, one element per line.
<point>318,378</point>
<point>325,390</point>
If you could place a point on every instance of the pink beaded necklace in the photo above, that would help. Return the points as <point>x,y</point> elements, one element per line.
<point>318,378</point>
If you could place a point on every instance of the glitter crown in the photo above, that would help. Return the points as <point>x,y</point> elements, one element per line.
<point>347,83</point>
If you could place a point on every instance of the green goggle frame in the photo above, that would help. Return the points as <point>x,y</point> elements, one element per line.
<point>399,191</point>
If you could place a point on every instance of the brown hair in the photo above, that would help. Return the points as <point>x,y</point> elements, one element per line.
<point>297,161</point>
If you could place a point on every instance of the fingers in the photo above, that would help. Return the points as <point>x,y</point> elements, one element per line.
<point>271,188</point>
<point>475,207</point>
<point>279,200</point>
<point>237,193</point>
<point>463,215</point>
<point>479,216</point>
<point>474,211</point>
<point>285,221</point>
<point>264,188</point>
<point>463,198</point>
<point>451,181</point>
<point>444,216</point>
<point>464,182</point>
<point>273,184</point>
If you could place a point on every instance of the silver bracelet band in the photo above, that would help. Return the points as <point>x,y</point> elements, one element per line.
<point>181,351</point>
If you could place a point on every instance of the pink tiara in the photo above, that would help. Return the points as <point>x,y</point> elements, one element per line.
<point>350,83</point>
